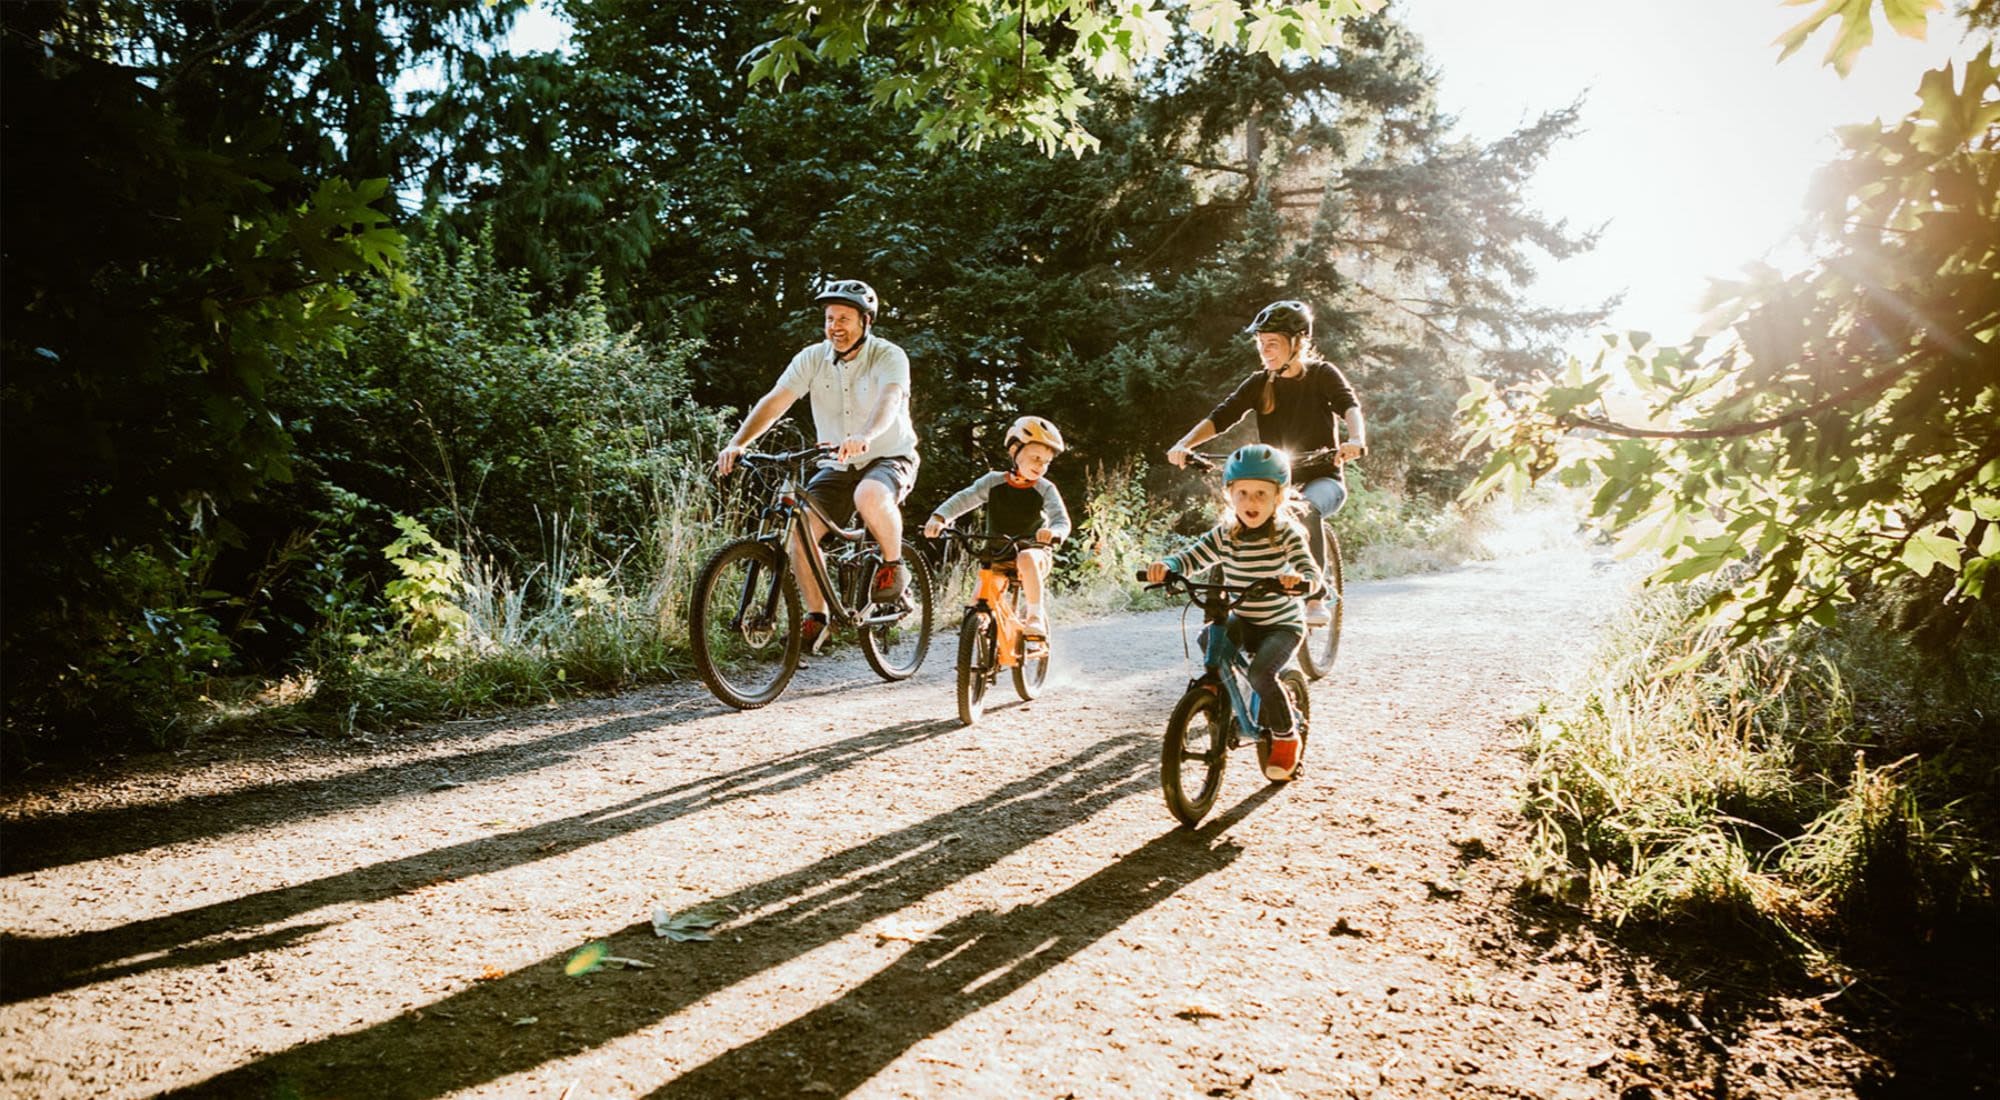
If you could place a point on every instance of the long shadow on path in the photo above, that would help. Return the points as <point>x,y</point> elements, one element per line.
<point>57,840</point>
<point>469,1038</point>
<point>972,963</point>
<point>38,843</point>
<point>37,966</point>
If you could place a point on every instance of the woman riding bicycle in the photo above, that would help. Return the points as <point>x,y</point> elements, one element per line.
<point>1298,398</point>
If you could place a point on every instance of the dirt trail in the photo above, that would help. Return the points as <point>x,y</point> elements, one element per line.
<point>911,908</point>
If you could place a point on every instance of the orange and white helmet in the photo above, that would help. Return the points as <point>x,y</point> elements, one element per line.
<point>1033,429</point>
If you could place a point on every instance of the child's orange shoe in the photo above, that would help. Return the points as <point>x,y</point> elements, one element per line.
<point>1283,759</point>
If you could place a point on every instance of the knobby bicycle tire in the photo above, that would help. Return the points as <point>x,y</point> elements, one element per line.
<point>729,631</point>
<point>896,651</point>
<point>1204,713</point>
<point>975,664</point>
<point>1029,675</point>
<point>1320,648</point>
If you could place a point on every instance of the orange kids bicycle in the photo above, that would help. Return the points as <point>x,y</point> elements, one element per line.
<point>990,637</point>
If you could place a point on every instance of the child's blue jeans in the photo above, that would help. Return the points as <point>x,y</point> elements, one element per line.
<point>1269,648</point>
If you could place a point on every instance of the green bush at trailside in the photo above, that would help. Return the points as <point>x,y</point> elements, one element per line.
<point>1386,533</point>
<point>1831,788</point>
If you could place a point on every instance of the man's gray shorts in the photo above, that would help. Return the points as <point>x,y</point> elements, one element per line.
<point>832,488</point>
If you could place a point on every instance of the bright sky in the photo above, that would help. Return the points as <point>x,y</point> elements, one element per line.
<point>1697,148</point>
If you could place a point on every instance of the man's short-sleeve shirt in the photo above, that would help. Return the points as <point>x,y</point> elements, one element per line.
<point>844,396</point>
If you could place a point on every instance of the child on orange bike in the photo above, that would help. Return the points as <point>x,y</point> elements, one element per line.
<point>1020,503</point>
<point>1253,542</point>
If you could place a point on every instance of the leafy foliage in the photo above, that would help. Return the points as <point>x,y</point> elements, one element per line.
<point>1844,433</point>
<point>1825,788</point>
<point>225,375</point>
<point>1097,285</point>
<point>1857,26</point>
<point>162,262</point>
<point>975,69</point>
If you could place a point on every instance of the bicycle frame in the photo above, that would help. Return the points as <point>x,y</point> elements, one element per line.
<point>785,519</point>
<point>1225,663</point>
<point>995,578</point>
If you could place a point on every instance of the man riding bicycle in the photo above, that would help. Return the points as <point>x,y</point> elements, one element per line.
<point>1298,398</point>
<point>859,386</point>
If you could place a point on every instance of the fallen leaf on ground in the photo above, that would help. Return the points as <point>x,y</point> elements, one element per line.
<point>687,926</point>
<point>619,962</point>
<point>892,928</point>
<point>491,974</point>
<point>1199,1012</point>
<point>587,958</point>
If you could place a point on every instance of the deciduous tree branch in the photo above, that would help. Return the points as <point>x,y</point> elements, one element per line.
<point>1868,388</point>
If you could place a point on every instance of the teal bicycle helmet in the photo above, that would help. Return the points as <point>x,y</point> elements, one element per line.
<point>1258,462</point>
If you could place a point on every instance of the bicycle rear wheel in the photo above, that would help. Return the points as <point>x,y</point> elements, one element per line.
<point>975,664</point>
<point>1030,672</point>
<point>1294,683</point>
<point>1319,648</point>
<point>1194,753</point>
<point>744,623</point>
<point>896,650</point>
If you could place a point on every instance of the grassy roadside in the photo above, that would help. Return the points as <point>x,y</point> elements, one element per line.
<point>1834,793</point>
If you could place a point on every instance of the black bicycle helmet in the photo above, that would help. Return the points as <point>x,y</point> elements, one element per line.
<point>1290,317</point>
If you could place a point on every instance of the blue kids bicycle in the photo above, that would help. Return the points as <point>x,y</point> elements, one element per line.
<point>1218,712</point>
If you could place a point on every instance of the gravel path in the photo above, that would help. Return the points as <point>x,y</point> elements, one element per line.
<point>908,908</point>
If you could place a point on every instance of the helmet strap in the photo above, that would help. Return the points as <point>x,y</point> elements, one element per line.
<point>854,351</point>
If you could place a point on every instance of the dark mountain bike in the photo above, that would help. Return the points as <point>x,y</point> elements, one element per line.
<point>1218,712</point>
<point>1321,645</point>
<point>744,622</point>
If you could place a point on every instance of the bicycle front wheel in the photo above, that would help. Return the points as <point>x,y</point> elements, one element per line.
<point>975,664</point>
<point>1319,648</point>
<point>1194,753</point>
<point>744,623</point>
<point>896,650</point>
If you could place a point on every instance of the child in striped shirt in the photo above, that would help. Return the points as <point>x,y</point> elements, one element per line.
<point>1253,542</point>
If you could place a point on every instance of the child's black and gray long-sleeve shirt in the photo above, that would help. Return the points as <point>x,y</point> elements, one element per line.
<point>1013,508</point>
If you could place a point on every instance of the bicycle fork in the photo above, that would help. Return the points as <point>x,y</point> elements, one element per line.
<point>769,612</point>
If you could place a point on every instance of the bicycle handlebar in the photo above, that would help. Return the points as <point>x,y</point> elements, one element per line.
<point>1209,461</point>
<point>770,458</point>
<point>995,543</point>
<point>1205,592</point>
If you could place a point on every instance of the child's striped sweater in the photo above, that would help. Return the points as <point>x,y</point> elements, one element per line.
<point>1245,560</point>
